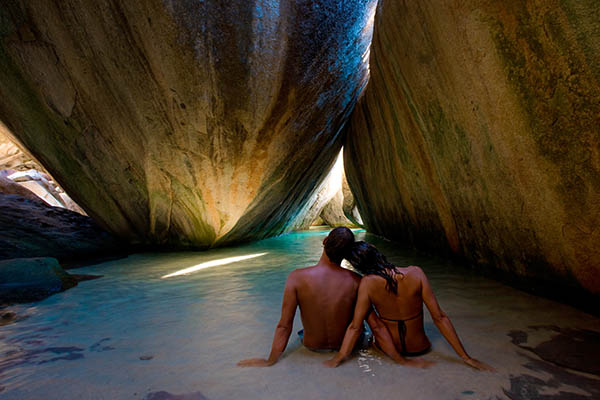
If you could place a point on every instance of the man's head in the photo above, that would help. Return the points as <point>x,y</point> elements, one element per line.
<point>338,243</point>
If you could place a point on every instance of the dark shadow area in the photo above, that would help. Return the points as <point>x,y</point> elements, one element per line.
<point>567,351</point>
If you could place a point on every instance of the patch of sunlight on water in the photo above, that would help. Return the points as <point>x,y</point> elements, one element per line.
<point>213,263</point>
<point>132,333</point>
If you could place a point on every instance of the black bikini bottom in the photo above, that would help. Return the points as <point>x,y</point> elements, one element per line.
<point>409,353</point>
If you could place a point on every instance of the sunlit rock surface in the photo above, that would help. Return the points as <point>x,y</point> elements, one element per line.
<point>20,167</point>
<point>333,212</point>
<point>11,156</point>
<point>349,206</point>
<point>44,187</point>
<point>325,193</point>
<point>479,132</point>
<point>7,186</point>
<point>180,122</point>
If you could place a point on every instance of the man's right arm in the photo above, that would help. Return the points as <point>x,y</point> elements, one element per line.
<point>283,329</point>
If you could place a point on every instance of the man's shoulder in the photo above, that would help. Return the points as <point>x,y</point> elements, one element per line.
<point>355,275</point>
<point>301,272</point>
<point>304,270</point>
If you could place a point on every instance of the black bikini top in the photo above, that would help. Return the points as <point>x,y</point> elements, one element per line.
<point>402,320</point>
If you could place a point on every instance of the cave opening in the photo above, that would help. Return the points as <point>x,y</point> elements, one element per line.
<point>22,175</point>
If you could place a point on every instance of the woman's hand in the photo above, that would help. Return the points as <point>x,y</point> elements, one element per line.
<point>332,363</point>
<point>255,362</point>
<point>418,363</point>
<point>481,366</point>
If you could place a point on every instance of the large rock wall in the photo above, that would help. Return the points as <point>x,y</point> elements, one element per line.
<point>479,132</point>
<point>183,122</point>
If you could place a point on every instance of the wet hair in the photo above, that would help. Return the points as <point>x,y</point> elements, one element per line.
<point>338,244</point>
<point>367,260</point>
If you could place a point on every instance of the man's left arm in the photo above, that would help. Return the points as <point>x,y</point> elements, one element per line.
<point>283,329</point>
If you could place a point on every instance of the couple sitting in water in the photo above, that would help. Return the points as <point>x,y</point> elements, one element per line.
<point>335,301</point>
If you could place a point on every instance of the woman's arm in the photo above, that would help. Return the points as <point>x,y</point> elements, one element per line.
<point>283,329</point>
<point>354,329</point>
<point>445,326</point>
<point>363,305</point>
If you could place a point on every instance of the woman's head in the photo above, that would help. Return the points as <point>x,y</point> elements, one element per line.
<point>367,260</point>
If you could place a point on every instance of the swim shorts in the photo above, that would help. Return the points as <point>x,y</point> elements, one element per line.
<point>364,340</point>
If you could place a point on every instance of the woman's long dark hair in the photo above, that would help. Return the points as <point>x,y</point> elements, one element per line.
<point>367,260</point>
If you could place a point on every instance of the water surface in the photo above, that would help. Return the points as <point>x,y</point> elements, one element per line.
<point>133,334</point>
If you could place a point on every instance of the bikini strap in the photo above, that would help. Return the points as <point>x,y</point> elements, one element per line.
<point>402,320</point>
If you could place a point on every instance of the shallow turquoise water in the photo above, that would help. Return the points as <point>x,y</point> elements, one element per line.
<point>133,333</point>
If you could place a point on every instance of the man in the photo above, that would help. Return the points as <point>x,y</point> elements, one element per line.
<point>326,294</point>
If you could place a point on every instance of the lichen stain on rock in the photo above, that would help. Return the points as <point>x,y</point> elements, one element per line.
<point>479,132</point>
<point>184,123</point>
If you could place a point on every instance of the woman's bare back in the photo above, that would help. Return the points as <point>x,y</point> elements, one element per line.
<point>402,312</point>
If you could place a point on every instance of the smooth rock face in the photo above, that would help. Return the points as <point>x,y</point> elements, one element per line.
<point>349,206</point>
<point>480,132</point>
<point>7,186</point>
<point>32,279</point>
<point>333,212</point>
<point>183,122</point>
<point>31,228</point>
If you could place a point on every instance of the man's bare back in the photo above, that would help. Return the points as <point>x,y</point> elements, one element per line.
<point>326,296</point>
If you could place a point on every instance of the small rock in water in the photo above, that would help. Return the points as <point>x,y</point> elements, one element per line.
<point>146,357</point>
<point>8,316</point>
<point>31,279</point>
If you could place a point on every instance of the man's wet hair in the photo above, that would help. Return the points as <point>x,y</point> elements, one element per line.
<point>338,244</point>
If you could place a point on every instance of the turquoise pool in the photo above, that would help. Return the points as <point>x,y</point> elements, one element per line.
<point>136,334</point>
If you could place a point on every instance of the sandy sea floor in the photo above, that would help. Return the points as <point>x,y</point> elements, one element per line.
<point>135,335</point>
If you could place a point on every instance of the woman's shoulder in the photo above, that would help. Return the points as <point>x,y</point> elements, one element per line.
<point>415,269</point>
<point>371,279</point>
<point>412,272</point>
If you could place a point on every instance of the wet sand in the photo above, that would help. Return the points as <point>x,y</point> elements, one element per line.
<point>134,335</point>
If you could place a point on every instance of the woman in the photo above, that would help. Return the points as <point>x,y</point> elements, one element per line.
<point>398,295</point>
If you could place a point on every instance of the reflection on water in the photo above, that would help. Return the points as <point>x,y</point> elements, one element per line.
<point>133,335</point>
<point>213,263</point>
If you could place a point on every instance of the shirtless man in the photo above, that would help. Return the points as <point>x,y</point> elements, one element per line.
<point>326,294</point>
